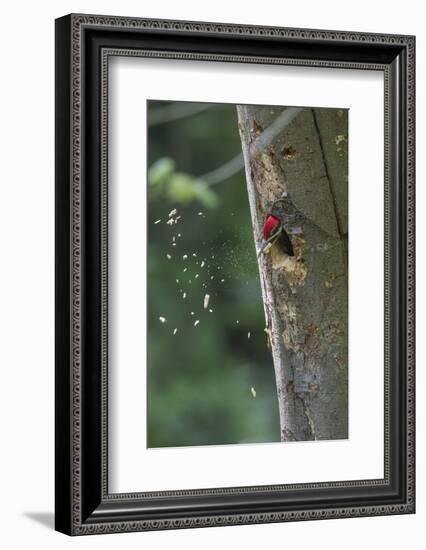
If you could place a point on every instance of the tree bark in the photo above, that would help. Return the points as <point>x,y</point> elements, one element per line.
<point>305,296</point>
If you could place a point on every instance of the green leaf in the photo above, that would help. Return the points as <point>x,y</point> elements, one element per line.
<point>180,188</point>
<point>161,170</point>
<point>204,194</point>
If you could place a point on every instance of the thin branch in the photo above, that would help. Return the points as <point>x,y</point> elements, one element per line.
<point>274,129</point>
<point>225,171</point>
<point>175,111</point>
<point>266,137</point>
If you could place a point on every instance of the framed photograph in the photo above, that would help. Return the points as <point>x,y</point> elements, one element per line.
<point>234,274</point>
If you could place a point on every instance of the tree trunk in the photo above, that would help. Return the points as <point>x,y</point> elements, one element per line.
<point>301,156</point>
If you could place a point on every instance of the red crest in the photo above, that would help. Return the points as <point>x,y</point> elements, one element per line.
<point>271,223</point>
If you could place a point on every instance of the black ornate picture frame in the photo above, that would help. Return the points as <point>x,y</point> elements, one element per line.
<point>84,43</point>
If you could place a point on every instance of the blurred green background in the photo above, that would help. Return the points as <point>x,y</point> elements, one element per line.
<point>210,382</point>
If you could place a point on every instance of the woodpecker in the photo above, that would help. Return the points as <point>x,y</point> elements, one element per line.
<point>274,232</point>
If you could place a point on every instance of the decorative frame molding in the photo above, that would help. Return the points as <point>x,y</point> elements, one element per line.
<point>84,43</point>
